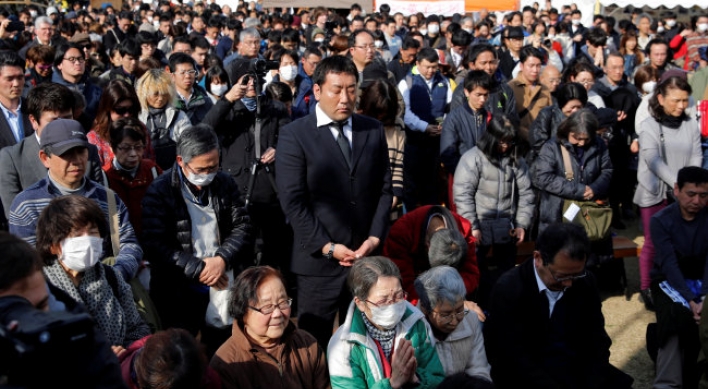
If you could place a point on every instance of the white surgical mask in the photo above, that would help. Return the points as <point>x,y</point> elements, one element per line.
<point>551,36</point>
<point>702,27</point>
<point>288,72</point>
<point>648,87</point>
<point>423,31</point>
<point>319,40</point>
<point>149,19</point>
<point>200,179</point>
<point>218,89</point>
<point>671,23</point>
<point>81,252</point>
<point>576,22</point>
<point>156,23</point>
<point>660,29</point>
<point>469,30</point>
<point>388,316</point>
<point>378,44</point>
<point>434,28</point>
<point>33,14</point>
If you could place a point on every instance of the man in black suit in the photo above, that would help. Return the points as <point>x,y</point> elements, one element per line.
<point>545,327</point>
<point>334,185</point>
<point>14,124</point>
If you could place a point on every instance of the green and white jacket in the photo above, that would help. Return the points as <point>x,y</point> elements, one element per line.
<point>354,360</point>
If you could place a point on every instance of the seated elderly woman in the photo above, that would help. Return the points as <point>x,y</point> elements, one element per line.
<point>70,233</point>
<point>384,341</point>
<point>456,334</point>
<point>265,349</point>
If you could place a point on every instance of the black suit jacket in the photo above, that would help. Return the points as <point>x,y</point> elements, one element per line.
<point>517,332</point>
<point>6,136</point>
<point>323,198</point>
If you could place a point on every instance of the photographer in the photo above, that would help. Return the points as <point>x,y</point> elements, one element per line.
<point>233,117</point>
<point>84,361</point>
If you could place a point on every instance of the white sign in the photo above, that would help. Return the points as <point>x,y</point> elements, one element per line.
<point>571,212</point>
<point>444,7</point>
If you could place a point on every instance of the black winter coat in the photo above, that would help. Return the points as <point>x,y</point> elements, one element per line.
<point>167,231</point>
<point>543,128</point>
<point>548,175</point>
<point>235,126</point>
<point>501,100</point>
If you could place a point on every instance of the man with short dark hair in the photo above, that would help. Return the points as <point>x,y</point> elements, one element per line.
<point>190,97</point>
<point>531,96</point>
<point>70,62</point>
<point>305,102</point>
<point>545,327</point>
<point>334,184</point>
<point>426,95</point>
<point>117,33</point>
<point>514,42</point>
<point>679,278</point>
<point>402,62</point>
<point>14,125</point>
<point>130,51</point>
<point>658,56</point>
<point>577,31</point>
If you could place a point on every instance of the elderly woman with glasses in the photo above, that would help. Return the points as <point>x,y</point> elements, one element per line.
<point>456,334</point>
<point>384,341</point>
<point>265,349</point>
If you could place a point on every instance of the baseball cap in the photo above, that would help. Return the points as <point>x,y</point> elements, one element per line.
<point>52,10</point>
<point>62,135</point>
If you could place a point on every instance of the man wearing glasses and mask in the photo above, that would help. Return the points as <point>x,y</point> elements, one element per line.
<point>545,327</point>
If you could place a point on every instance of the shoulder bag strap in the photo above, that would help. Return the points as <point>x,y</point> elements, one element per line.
<point>566,163</point>
<point>113,220</point>
<point>513,195</point>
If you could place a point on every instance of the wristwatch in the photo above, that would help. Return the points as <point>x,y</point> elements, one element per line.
<point>330,254</point>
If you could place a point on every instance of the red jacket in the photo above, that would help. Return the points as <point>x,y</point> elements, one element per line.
<point>406,246</point>
<point>132,189</point>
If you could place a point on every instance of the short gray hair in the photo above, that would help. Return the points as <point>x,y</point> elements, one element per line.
<point>366,272</point>
<point>447,247</point>
<point>42,20</point>
<point>251,22</point>
<point>439,285</point>
<point>196,140</point>
<point>249,32</point>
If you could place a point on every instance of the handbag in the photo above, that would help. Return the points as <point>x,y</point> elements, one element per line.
<point>500,230</point>
<point>217,312</point>
<point>594,216</point>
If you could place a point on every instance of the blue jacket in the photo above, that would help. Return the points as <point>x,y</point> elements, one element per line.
<point>25,210</point>
<point>305,102</point>
<point>428,104</point>
<point>461,131</point>
<point>92,93</point>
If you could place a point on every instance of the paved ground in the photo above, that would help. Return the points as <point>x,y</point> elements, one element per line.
<point>626,321</point>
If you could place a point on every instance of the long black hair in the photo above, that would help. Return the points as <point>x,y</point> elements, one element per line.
<point>498,129</point>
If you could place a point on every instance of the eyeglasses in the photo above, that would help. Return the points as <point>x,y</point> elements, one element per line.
<point>75,59</point>
<point>204,170</point>
<point>123,110</point>
<point>185,73</point>
<point>127,148</point>
<point>270,308</point>
<point>366,47</point>
<point>445,319</point>
<point>568,278</point>
<point>44,67</point>
<point>398,296</point>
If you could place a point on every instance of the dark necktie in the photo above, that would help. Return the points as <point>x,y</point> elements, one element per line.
<point>343,142</point>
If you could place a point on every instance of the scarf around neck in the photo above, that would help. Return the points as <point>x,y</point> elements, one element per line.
<point>384,337</point>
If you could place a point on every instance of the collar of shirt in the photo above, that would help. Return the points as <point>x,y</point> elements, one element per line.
<point>324,120</point>
<point>188,98</point>
<point>553,296</point>
<point>7,111</point>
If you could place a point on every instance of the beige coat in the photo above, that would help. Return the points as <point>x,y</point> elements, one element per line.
<point>529,101</point>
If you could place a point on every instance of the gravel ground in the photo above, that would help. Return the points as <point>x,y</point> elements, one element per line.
<point>626,320</point>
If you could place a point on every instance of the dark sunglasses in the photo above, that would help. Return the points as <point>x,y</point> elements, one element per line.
<point>123,110</point>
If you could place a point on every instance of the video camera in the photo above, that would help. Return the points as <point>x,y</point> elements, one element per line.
<point>261,66</point>
<point>30,338</point>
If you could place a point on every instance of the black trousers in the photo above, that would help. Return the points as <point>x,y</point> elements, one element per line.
<point>320,299</point>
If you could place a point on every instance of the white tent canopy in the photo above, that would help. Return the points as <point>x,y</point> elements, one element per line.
<point>654,3</point>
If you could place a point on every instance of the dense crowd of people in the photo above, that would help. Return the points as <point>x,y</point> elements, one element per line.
<point>201,196</point>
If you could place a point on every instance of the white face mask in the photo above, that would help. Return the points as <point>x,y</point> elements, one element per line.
<point>423,31</point>
<point>33,14</point>
<point>702,27</point>
<point>200,179</point>
<point>434,28</point>
<point>378,44</point>
<point>648,87</point>
<point>288,72</point>
<point>156,23</point>
<point>660,29</point>
<point>671,23</point>
<point>388,316</point>
<point>469,30</point>
<point>319,40</point>
<point>218,89</point>
<point>81,252</point>
<point>149,19</point>
<point>576,22</point>
<point>551,36</point>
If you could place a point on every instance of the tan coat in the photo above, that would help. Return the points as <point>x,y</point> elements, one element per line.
<point>529,101</point>
<point>297,362</point>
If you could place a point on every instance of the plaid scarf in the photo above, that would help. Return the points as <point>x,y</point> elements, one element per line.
<point>384,337</point>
